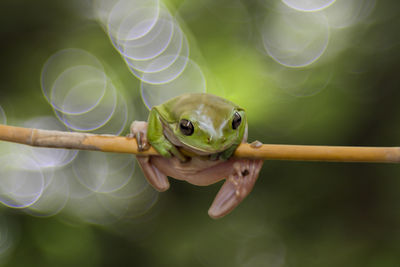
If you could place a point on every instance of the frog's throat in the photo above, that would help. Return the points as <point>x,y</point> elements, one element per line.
<point>169,134</point>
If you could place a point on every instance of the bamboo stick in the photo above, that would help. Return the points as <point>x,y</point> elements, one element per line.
<point>119,144</point>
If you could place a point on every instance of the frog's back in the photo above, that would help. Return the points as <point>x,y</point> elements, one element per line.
<point>207,104</point>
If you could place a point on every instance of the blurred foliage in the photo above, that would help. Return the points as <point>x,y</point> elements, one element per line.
<point>299,214</point>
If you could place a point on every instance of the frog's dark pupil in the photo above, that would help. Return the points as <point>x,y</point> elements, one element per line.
<point>186,127</point>
<point>236,121</point>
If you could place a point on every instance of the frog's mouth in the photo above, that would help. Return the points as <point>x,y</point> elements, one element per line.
<point>202,151</point>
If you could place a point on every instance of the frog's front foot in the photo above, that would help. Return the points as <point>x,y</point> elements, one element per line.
<point>139,132</point>
<point>236,187</point>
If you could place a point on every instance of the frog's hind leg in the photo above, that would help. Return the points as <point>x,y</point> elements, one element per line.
<point>156,178</point>
<point>236,187</point>
<point>153,175</point>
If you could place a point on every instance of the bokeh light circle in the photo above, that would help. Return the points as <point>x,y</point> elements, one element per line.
<point>118,121</point>
<point>78,89</point>
<point>153,44</point>
<point>72,71</point>
<point>54,197</point>
<point>178,46</point>
<point>165,75</point>
<point>303,82</point>
<point>191,80</point>
<point>132,19</point>
<point>103,173</point>
<point>295,39</point>
<point>96,117</point>
<point>135,186</point>
<point>346,13</point>
<point>22,181</point>
<point>308,5</point>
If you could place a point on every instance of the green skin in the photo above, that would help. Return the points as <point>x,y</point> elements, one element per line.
<point>211,117</point>
<point>201,157</point>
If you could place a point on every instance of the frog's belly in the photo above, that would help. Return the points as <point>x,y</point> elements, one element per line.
<point>197,171</point>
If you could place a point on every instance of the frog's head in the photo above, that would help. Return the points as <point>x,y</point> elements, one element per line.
<point>209,130</point>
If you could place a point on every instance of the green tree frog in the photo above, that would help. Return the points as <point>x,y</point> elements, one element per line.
<point>196,136</point>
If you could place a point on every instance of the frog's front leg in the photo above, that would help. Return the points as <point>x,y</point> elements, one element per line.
<point>156,178</point>
<point>158,140</point>
<point>236,187</point>
<point>228,153</point>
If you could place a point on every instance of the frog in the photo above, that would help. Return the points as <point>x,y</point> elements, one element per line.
<point>196,135</point>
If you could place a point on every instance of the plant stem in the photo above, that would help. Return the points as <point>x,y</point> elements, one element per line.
<point>119,144</point>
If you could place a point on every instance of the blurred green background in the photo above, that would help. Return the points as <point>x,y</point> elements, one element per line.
<point>299,214</point>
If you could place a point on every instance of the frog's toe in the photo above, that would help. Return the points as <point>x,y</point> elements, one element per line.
<point>236,187</point>
<point>139,132</point>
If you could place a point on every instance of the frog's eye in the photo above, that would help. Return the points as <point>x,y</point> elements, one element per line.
<point>236,120</point>
<point>186,127</point>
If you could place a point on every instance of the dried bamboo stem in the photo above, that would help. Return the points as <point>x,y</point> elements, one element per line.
<point>119,144</point>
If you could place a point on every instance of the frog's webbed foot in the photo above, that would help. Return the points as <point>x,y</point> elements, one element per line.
<point>156,178</point>
<point>236,187</point>
<point>139,132</point>
<point>227,154</point>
